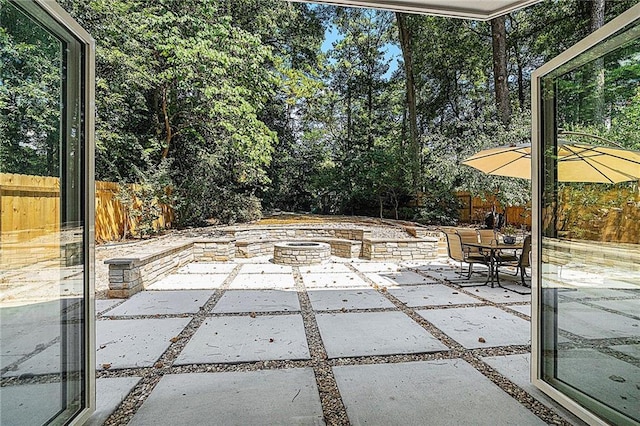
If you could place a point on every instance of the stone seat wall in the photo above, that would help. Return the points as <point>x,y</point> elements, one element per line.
<point>404,249</point>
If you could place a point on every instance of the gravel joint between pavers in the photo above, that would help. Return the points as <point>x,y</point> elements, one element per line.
<point>333,407</point>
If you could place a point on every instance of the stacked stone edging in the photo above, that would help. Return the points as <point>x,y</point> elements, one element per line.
<point>299,253</point>
<point>400,249</point>
<point>130,275</point>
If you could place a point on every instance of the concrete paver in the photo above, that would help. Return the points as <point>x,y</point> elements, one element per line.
<point>394,279</point>
<point>499,295</point>
<point>265,268</point>
<point>45,362</point>
<point>370,266</point>
<point>595,293</point>
<point>276,397</point>
<point>162,303</point>
<point>468,325</point>
<point>207,268</point>
<point>626,306</point>
<point>523,309</point>
<point>593,323</point>
<point>338,280</point>
<point>614,381</point>
<point>431,295</point>
<point>336,299</point>
<point>262,281</point>
<point>374,333</point>
<point>30,404</point>
<point>631,350</point>
<point>191,281</point>
<point>443,392</point>
<point>241,301</point>
<point>109,394</point>
<point>326,268</point>
<point>243,339</point>
<point>517,368</point>
<point>134,343</point>
<point>103,305</point>
<point>387,392</point>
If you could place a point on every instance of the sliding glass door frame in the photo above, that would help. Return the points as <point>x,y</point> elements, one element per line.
<point>543,125</point>
<point>78,123</point>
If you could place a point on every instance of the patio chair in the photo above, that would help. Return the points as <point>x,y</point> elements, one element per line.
<point>468,235</point>
<point>520,262</point>
<point>457,252</point>
<point>487,236</point>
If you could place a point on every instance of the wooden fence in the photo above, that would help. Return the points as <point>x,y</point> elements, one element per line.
<point>583,213</point>
<point>31,209</point>
<point>474,210</point>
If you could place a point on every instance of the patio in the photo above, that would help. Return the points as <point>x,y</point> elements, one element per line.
<point>351,341</point>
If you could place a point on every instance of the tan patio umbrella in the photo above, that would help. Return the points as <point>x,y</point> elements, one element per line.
<point>576,163</point>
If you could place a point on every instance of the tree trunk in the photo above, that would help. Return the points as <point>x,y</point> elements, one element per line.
<point>499,42</point>
<point>414,143</point>
<point>597,21</point>
<point>168,135</point>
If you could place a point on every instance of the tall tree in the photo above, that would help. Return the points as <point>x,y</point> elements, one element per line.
<point>500,76</point>
<point>407,56</point>
<point>597,21</point>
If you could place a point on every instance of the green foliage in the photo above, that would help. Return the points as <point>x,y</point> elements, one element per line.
<point>30,88</point>
<point>142,200</point>
<point>446,149</point>
<point>240,108</point>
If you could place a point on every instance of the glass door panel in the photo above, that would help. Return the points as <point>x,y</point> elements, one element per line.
<point>588,251</point>
<point>46,240</point>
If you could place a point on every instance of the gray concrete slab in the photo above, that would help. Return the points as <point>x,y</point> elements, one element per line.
<point>207,268</point>
<point>109,394</point>
<point>134,343</point>
<point>162,303</point>
<point>45,362</point>
<point>239,301</point>
<point>631,350</point>
<point>626,306</point>
<point>23,404</point>
<point>326,268</point>
<point>245,339</point>
<point>595,293</point>
<point>370,266</point>
<point>262,281</point>
<point>265,268</point>
<point>443,392</point>
<point>517,368</point>
<point>499,295</point>
<point>189,282</point>
<point>337,280</point>
<point>26,328</point>
<point>336,299</point>
<point>523,309</point>
<point>104,304</point>
<point>374,333</point>
<point>516,287</point>
<point>395,279</point>
<point>594,323</point>
<point>467,325</point>
<point>431,295</point>
<point>612,381</point>
<point>267,397</point>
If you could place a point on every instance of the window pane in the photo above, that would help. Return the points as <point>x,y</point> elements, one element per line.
<point>590,271</point>
<point>42,271</point>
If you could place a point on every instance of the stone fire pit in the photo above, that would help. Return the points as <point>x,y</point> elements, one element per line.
<point>301,253</point>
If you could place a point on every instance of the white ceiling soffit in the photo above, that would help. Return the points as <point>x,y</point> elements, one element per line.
<point>469,9</point>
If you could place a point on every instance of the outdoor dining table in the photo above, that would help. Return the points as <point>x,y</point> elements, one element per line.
<point>490,250</point>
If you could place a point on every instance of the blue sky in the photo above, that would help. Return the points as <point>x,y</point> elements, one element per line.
<point>393,51</point>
